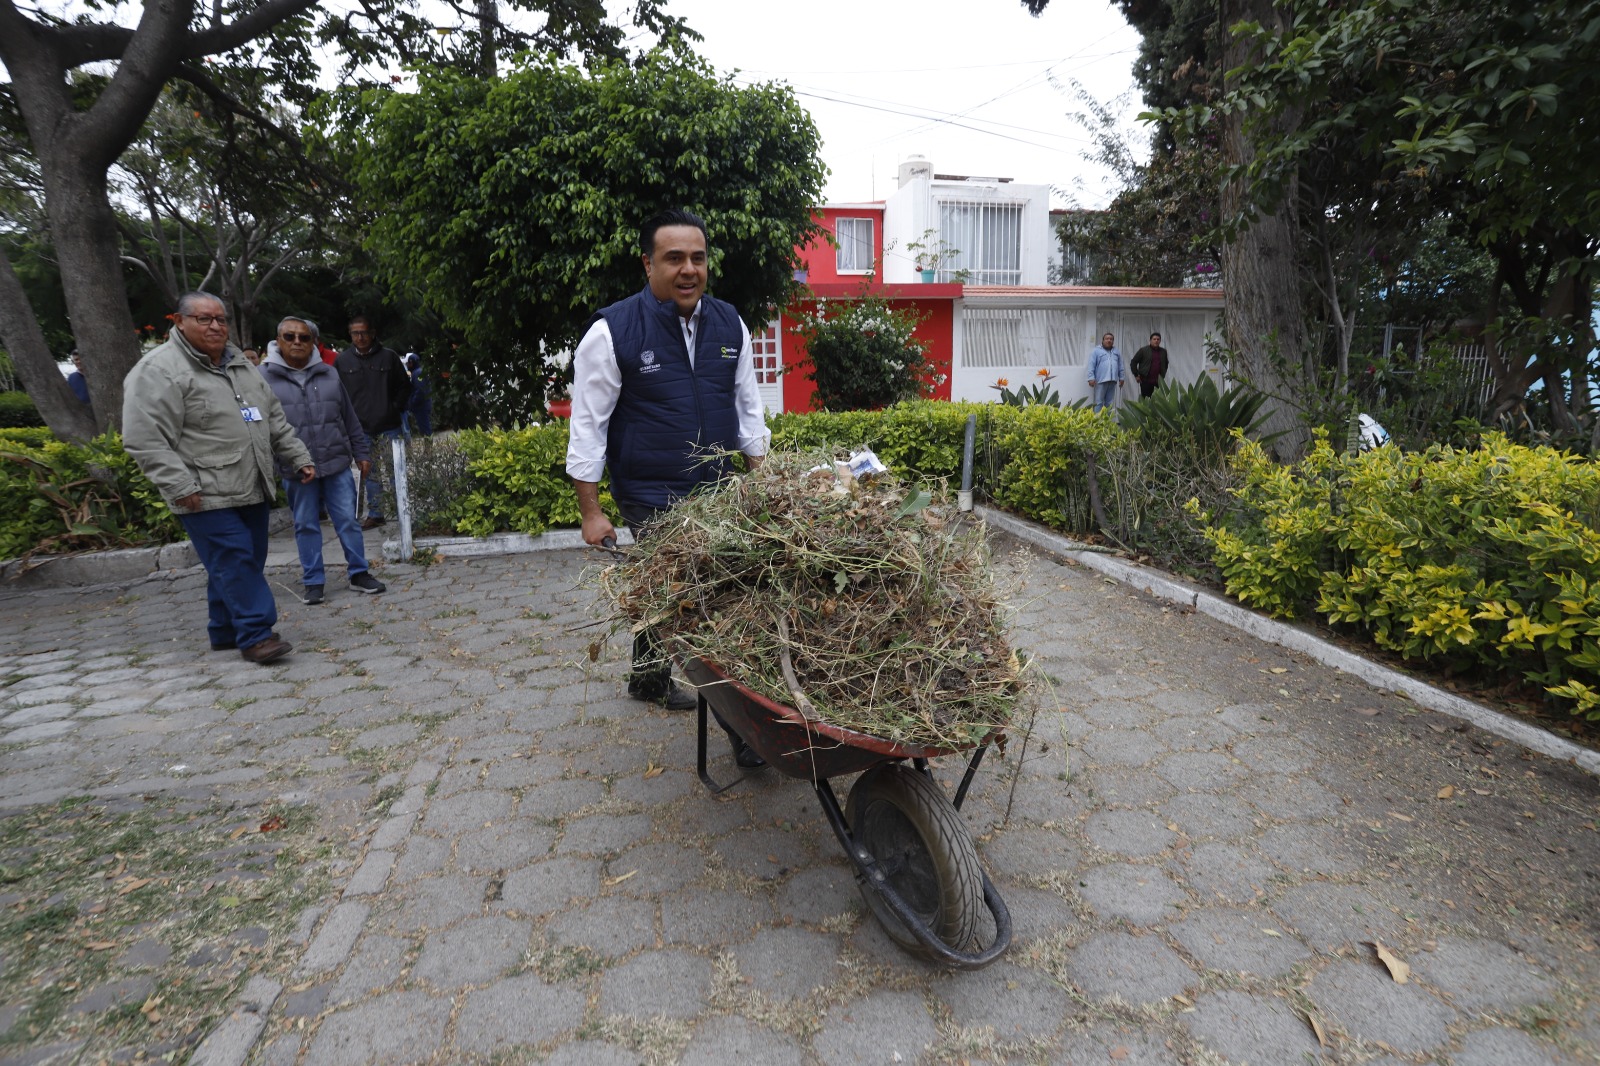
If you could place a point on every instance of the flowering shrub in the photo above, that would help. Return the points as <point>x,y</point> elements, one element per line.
<point>862,353</point>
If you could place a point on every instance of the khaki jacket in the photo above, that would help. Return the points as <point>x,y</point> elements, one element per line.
<point>182,424</point>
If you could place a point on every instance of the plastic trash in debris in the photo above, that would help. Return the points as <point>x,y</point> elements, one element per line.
<point>865,464</point>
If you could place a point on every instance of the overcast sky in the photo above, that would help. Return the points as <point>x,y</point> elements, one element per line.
<point>966,84</point>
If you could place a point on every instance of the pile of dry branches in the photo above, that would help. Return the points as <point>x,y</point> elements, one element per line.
<point>865,602</point>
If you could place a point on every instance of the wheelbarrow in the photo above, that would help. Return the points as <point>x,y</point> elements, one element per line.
<point>915,863</point>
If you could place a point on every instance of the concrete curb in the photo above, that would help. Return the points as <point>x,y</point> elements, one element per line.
<point>1265,629</point>
<point>499,544</point>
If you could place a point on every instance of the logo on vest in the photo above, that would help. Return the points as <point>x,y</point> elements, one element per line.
<point>648,359</point>
<point>729,353</point>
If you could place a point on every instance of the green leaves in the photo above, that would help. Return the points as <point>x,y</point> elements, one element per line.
<point>512,207</point>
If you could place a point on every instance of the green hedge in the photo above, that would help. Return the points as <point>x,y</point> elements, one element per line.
<point>1484,559</point>
<point>60,497</point>
<point>17,410</point>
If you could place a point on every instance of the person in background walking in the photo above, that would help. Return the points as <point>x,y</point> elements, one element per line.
<point>202,424</point>
<point>1105,373</point>
<point>321,413</point>
<point>76,381</point>
<point>1149,366</point>
<point>420,407</point>
<point>379,387</point>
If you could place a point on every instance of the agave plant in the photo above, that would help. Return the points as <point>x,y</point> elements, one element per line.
<point>1197,413</point>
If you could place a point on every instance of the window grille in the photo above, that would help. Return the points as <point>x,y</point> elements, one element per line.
<point>987,239</point>
<point>1011,337</point>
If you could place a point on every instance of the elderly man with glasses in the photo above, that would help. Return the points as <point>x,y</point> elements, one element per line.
<point>321,413</point>
<point>204,427</point>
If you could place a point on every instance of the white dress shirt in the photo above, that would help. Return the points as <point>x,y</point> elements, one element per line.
<point>597,383</point>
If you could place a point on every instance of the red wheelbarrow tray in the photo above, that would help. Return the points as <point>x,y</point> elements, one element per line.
<point>791,742</point>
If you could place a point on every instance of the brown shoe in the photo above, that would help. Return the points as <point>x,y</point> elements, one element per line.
<point>270,650</point>
<point>372,522</point>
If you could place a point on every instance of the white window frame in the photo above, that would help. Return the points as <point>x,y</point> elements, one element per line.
<point>838,258</point>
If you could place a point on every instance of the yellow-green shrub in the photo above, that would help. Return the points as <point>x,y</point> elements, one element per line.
<point>1483,559</point>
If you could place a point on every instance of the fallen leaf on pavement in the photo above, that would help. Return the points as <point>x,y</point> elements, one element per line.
<point>1400,817</point>
<point>1447,791</point>
<point>1397,966</point>
<point>272,824</point>
<point>134,885</point>
<point>100,945</point>
<point>1366,711</point>
<point>1272,932</point>
<point>622,878</point>
<point>1316,1027</point>
<point>653,771</point>
<point>1118,1053</point>
<point>1280,669</point>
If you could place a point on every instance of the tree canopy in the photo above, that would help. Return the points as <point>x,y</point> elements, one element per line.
<point>81,87</point>
<point>512,208</point>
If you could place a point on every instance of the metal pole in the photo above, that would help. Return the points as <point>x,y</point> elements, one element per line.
<point>402,497</point>
<point>964,500</point>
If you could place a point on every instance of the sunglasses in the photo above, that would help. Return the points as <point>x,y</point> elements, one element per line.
<point>292,337</point>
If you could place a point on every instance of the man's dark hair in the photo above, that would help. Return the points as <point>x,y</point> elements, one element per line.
<point>1155,336</point>
<point>363,319</point>
<point>675,217</point>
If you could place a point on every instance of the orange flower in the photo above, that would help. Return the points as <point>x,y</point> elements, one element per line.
<point>1044,372</point>
<point>1002,383</point>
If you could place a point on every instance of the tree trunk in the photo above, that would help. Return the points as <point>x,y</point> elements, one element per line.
<point>24,341</point>
<point>88,248</point>
<point>1260,278</point>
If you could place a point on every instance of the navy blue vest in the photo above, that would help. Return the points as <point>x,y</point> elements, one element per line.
<point>670,415</point>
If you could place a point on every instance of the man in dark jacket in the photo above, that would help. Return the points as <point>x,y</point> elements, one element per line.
<point>660,380</point>
<point>322,415</point>
<point>1149,366</point>
<point>379,386</point>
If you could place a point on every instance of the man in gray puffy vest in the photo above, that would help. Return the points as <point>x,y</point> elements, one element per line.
<point>660,380</point>
<point>322,415</point>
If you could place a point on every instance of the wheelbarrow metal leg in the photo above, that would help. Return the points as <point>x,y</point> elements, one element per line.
<point>700,764</point>
<point>966,780</point>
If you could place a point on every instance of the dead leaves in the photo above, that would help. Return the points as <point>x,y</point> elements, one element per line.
<point>1446,792</point>
<point>1398,969</point>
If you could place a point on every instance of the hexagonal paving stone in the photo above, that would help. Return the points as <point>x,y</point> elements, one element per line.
<point>1140,969</point>
<point>1106,1042</point>
<point>817,893</point>
<point>1015,1003</point>
<point>1507,1047</point>
<point>1483,975</point>
<point>789,963</point>
<point>612,925</point>
<point>1330,916</point>
<point>546,886</point>
<point>713,917</point>
<point>1251,1028</point>
<point>516,1012</point>
<point>475,951</point>
<point>1143,895</point>
<point>672,982</point>
<point>1136,834</point>
<point>1223,871</point>
<point>722,1040</point>
<point>1028,852</point>
<point>402,1027</point>
<point>881,1027</point>
<point>1363,1000</point>
<point>1250,941</point>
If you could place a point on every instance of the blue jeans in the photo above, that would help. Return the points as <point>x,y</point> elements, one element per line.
<point>232,545</point>
<point>336,494</point>
<point>1104,394</point>
<point>374,483</point>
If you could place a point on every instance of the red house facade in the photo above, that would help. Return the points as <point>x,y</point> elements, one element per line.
<point>988,311</point>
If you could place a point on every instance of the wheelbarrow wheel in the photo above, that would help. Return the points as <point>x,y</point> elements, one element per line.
<point>907,824</point>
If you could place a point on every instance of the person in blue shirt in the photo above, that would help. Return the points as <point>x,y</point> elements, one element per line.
<point>1105,373</point>
<point>76,381</point>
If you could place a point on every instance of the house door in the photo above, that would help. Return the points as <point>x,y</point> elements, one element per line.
<point>767,348</point>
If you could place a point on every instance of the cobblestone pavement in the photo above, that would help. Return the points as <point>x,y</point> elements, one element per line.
<point>1199,843</point>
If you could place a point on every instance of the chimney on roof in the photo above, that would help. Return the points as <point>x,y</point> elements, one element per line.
<point>914,168</point>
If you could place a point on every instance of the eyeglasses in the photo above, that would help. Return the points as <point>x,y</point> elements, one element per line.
<point>293,337</point>
<point>208,320</point>
<point>361,333</point>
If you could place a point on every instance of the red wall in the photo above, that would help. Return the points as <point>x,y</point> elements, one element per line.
<point>936,303</point>
<point>819,259</point>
